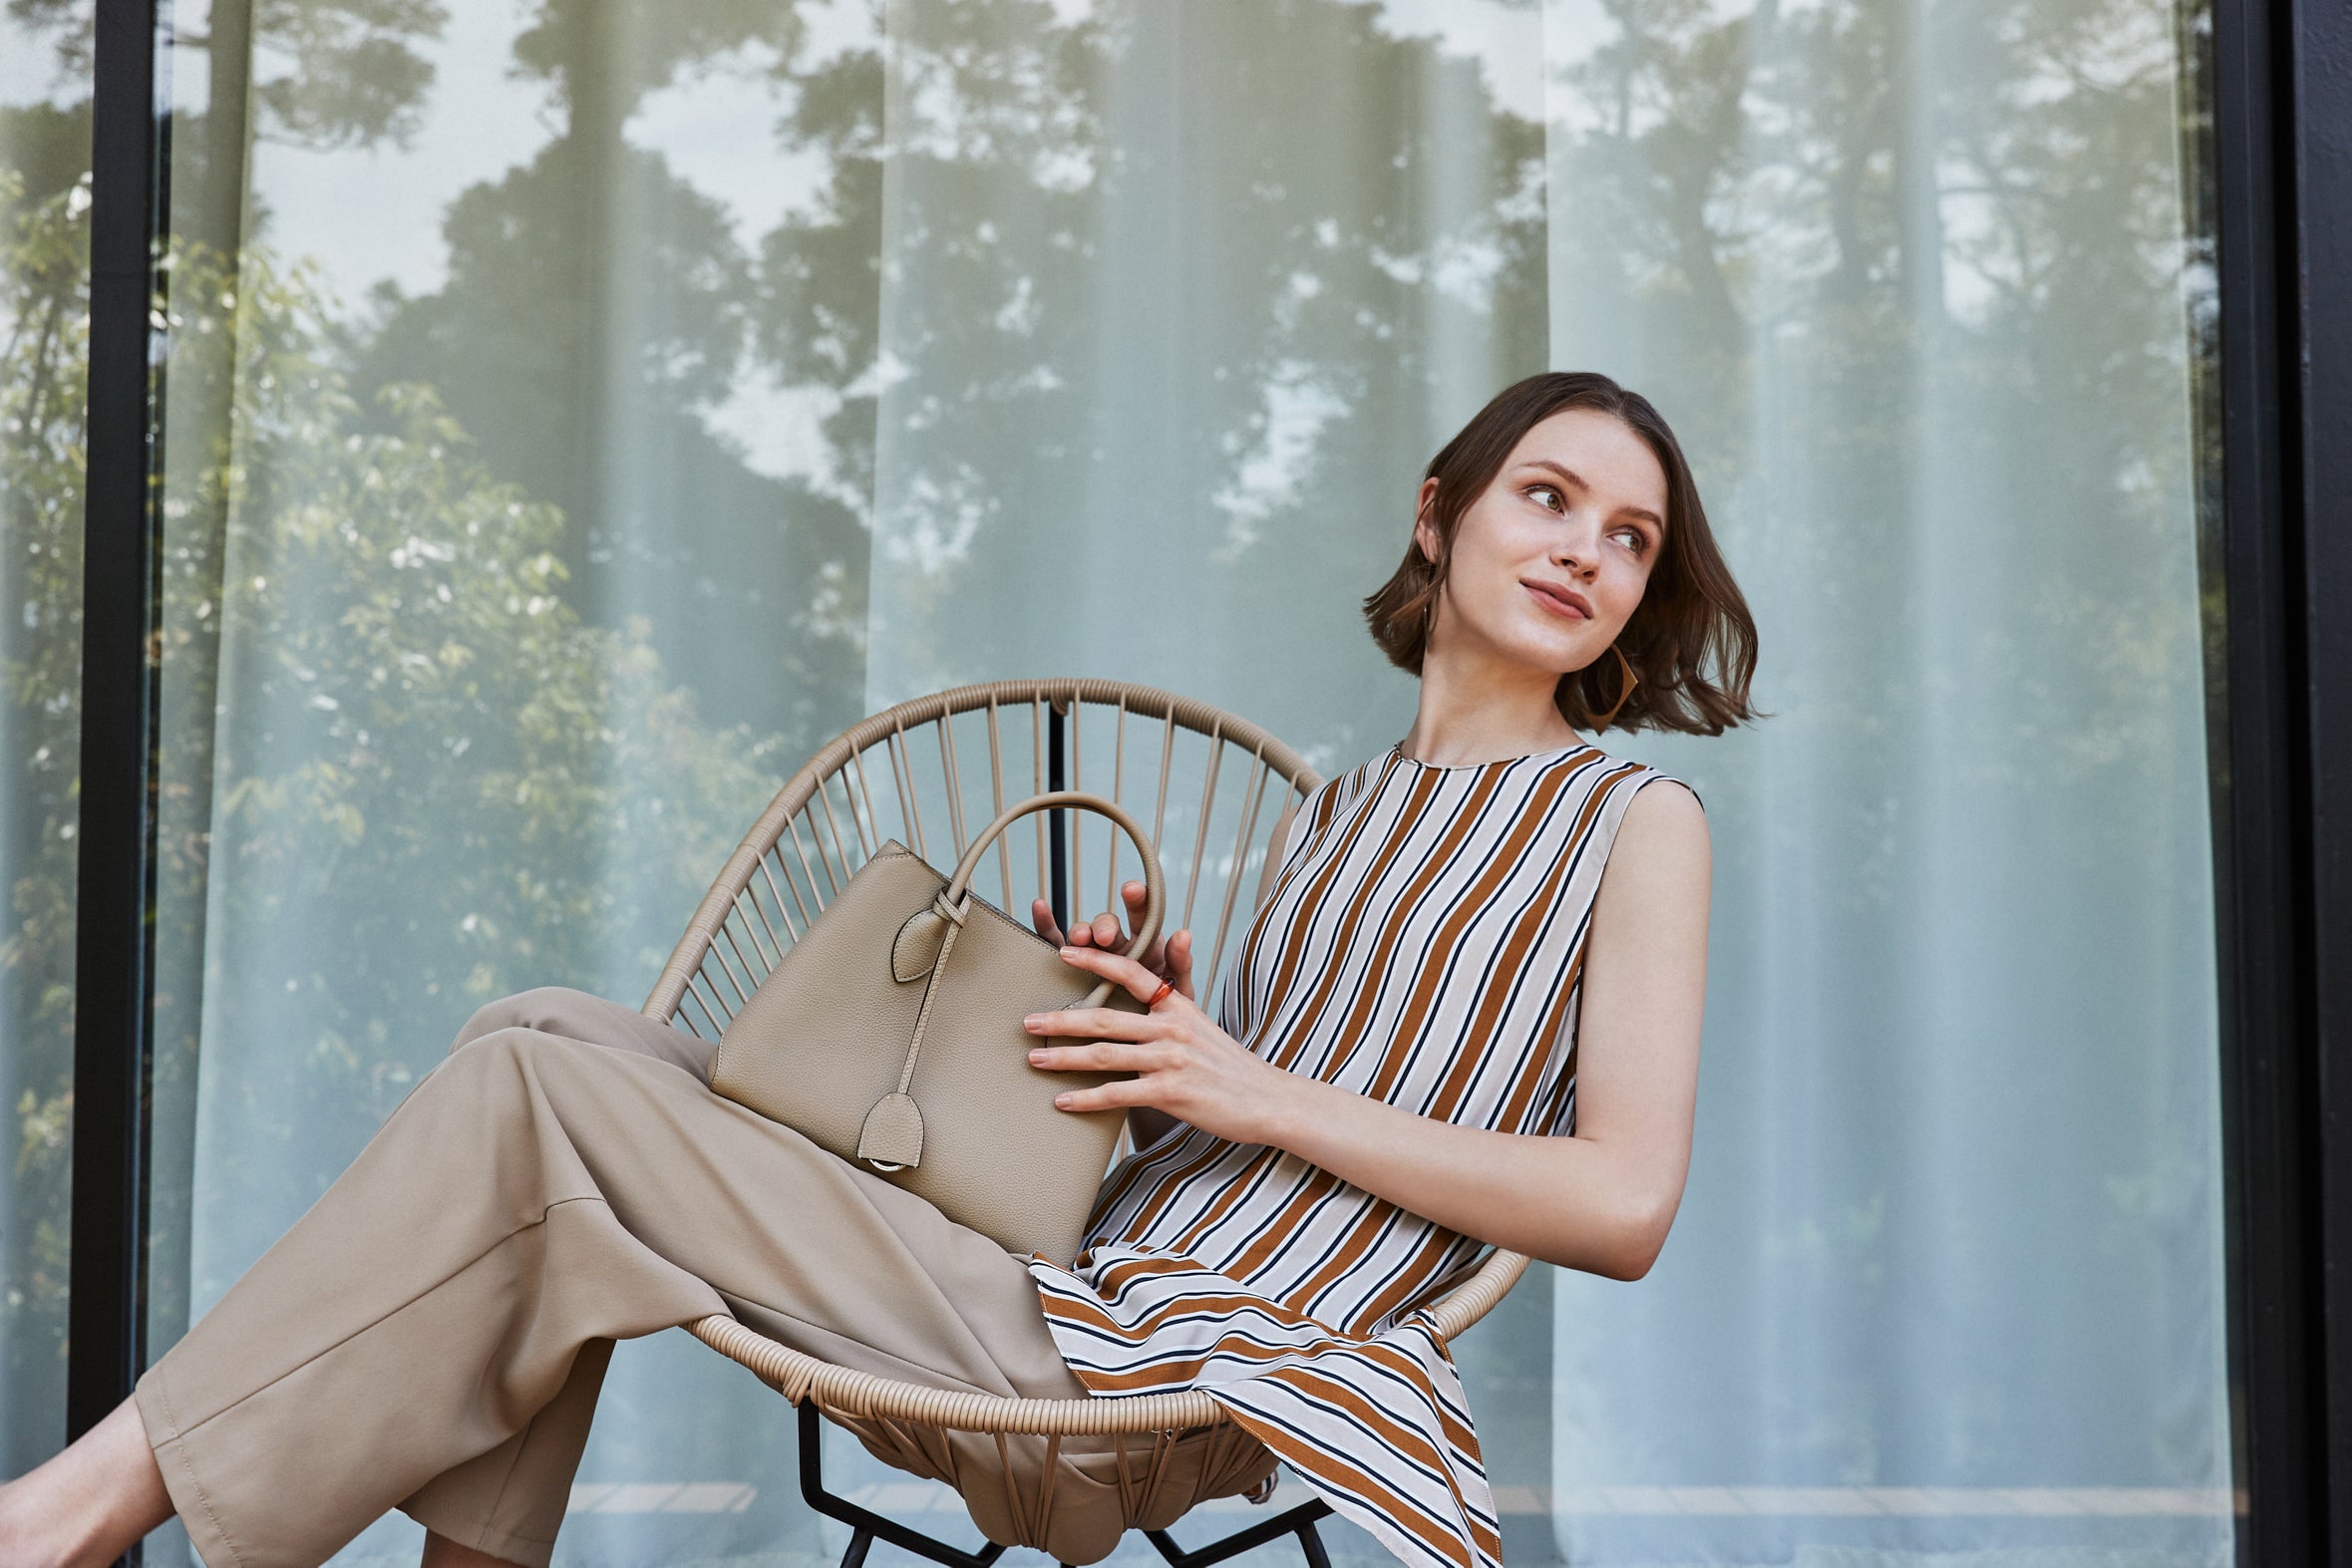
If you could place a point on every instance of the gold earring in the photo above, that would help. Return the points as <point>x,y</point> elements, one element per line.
<point>1631,681</point>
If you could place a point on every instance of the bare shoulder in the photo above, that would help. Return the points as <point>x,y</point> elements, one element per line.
<point>1662,855</point>
<point>1664,817</point>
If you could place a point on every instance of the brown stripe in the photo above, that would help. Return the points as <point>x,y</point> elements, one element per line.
<point>1398,916</point>
<point>1408,1284</point>
<point>1347,1397</point>
<point>1524,1090</point>
<point>1500,864</point>
<point>1358,1483</point>
<point>1156,1203</point>
<point>1303,1031</point>
<point>1363,1234</point>
<point>1510,960</point>
<point>1397,1361</point>
<point>1276,1229</point>
<point>1513,1118</point>
<point>1166,1184</point>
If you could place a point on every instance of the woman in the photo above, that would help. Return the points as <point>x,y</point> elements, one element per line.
<point>1444,1027</point>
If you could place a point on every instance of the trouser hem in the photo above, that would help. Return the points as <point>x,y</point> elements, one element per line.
<point>506,1546</point>
<point>205,1533</point>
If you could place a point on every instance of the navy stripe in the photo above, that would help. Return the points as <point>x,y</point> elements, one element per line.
<point>1366,942</point>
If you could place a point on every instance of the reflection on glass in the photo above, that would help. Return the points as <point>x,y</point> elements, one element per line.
<point>576,414</point>
<point>1921,285</point>
<point>44,358</point>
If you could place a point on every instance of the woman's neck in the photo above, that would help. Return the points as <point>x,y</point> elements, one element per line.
<point>1484,715</point>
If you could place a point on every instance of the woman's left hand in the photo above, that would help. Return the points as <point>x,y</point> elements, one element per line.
<point>1185,1064</point>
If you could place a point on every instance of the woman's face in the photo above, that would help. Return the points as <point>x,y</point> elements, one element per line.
<point>1550,562</point>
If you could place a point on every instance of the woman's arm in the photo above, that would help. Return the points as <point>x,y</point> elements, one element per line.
<point>1600,1199</point>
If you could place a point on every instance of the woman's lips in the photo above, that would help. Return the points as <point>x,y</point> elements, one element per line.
<point>1570,605</point>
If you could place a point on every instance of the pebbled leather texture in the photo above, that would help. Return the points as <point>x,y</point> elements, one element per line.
<point>822,1046</point>
<point>918,946</point>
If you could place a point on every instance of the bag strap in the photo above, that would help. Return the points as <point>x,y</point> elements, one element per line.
<point>1154,884</point>
<point>892,1137</point>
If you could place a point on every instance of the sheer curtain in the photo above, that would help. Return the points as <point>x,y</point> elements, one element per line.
<point>1922,284</point>
<point>578,414</point>
<point>44,359</point>
<point>1919,289</point>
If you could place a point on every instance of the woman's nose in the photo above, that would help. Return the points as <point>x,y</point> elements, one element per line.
<point>1577,554</point>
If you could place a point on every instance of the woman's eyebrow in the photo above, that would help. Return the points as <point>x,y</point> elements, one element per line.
<point>1577,479</point>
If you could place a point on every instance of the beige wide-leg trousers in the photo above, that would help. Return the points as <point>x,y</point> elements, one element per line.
<point>432,1335</point>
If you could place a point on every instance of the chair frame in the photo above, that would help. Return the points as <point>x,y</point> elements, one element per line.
<point>730,924</point>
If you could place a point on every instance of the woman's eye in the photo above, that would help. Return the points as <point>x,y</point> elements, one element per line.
<point>1546,496</point>
<point>1636,541</point>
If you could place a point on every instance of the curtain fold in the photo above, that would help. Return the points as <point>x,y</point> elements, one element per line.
<point>1925,306</point>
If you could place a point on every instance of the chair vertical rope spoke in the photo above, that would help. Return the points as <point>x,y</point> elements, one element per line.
<point>1048,1471</point>
<point>714,1005</point>
<point>1045,861</point>
<point>870,829</point>
<point>1216,754</point>
<point>1077,823</point>
<point>777,891</point>
<point>772,953</point>
<point>727,970</point>
<point>1167,761</point>
<point>793,834</point>
<point>910,810</point>
<point>955,783</point>
<point>715,1028</point>
<point>833,825</point>
<point>1004,853</point>
<point>1259,775</point>
<point>1117,779</point>
<point>825,862</point>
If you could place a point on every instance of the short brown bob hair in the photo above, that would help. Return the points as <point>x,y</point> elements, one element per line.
<point>1691,639</point>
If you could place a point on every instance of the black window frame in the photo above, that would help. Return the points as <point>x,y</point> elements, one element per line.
<point>2281,140</point>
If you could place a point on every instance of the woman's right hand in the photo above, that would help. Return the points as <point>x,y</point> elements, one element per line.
<point>1169,957</point>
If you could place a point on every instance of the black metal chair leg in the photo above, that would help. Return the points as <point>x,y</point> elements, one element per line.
<point>1298,1521</point>
<point>866,1527</point>
<point>864,1524</point>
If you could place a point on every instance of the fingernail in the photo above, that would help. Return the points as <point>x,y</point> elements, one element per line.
<point>1033,1019</point>
<point>1062,1101</point>
<point>1038,1055</point>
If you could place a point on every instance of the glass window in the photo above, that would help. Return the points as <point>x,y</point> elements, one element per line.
<point>1925,286</point>
<point>44,359</point>
<point>577,415</point>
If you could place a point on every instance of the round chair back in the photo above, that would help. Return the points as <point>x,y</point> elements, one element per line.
<point>930,772</point>
<point>1217,791</point>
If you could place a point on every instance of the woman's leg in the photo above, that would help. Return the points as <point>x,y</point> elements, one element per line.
<point>540,1460</point>
<point>582,1016</point>
<point>90,1502</point>
<point>536,1197</point>
<point>86,1506</point>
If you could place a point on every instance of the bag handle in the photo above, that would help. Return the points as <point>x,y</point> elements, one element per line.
<point>1155,885</point>
<point>892,1137</point>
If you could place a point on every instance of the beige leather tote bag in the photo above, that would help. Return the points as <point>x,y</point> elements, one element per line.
<point>891,1034</point>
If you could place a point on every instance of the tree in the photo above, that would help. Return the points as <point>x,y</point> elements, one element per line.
<point>431,762</point>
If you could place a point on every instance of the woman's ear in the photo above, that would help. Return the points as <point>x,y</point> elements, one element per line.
<point>1425,531</point>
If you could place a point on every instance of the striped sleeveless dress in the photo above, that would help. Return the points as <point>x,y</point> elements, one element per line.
<point>1423,944</point>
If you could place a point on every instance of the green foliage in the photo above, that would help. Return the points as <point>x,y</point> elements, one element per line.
<point>434,770</point>
<point>437,782</point>
<point>43,351</point>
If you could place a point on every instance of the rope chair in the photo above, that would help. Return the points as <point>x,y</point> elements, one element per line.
<point>917,772</point>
